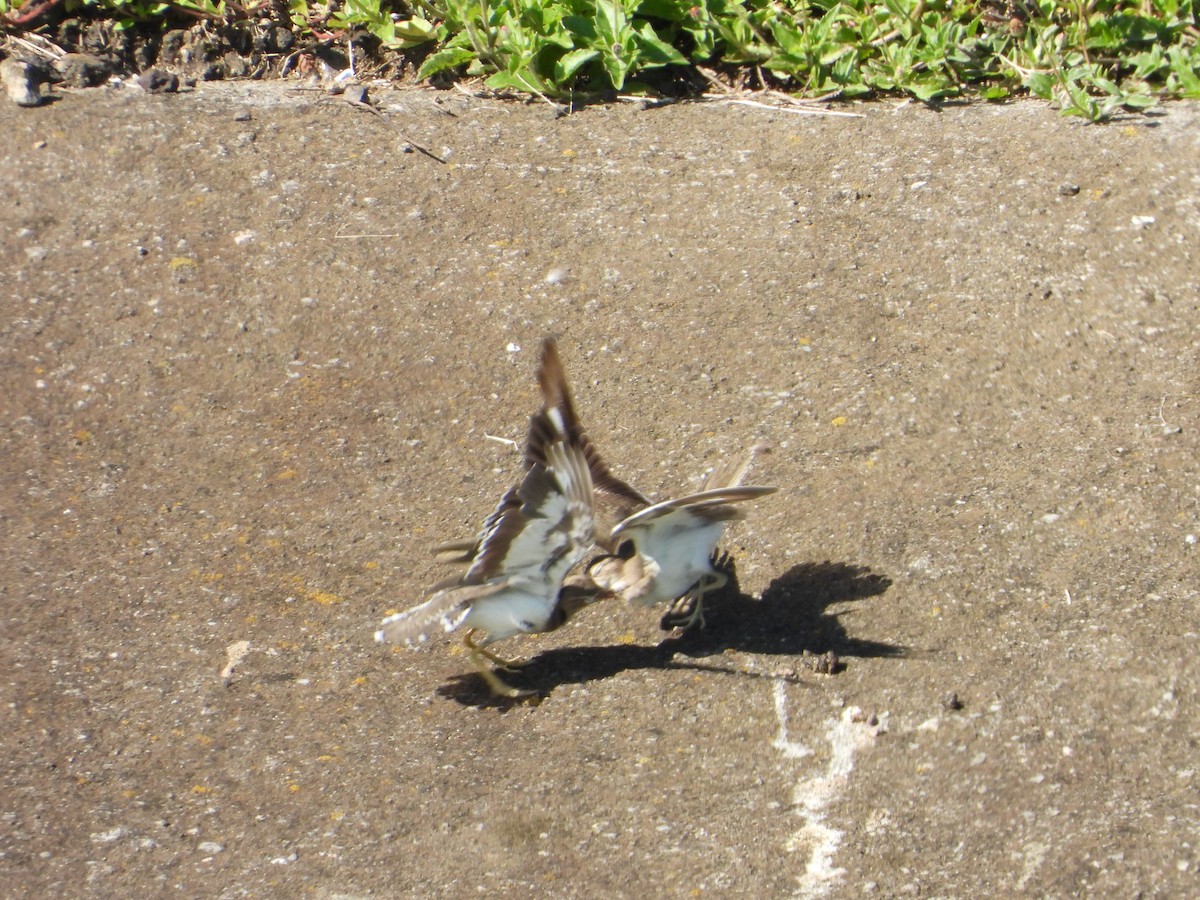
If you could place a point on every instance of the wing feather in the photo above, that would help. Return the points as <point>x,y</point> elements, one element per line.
<point>613,499</point>
<point>712,505</point>
<point>617,499</point>
<point>731,472</point>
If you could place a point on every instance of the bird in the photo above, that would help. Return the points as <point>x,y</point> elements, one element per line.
<point>517,582</point>
<point>664,551</point>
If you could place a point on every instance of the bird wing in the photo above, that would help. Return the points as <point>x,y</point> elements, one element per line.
<point>615,499</point>
<point>466,552</point>
<point>538,533</point>
<point>550,527</point>
<point>731,472</point>
<point>708,506</point>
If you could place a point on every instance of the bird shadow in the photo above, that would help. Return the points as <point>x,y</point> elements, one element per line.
<point>791,619</point>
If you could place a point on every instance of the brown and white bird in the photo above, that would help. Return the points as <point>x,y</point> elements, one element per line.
<point>517,581</point>
<point>664,551</point>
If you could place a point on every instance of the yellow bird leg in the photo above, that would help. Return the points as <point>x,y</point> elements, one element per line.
<point>509,665</point>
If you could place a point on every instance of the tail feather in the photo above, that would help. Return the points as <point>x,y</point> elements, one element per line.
<point>446,610</point>
<point>456,551</point>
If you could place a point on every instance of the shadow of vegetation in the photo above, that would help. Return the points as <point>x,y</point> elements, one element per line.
<point>791,619</point>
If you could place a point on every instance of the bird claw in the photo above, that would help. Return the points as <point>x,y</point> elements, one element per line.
<point>684,613</point>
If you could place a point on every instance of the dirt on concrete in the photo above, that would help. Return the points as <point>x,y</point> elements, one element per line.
<point>254,350</point>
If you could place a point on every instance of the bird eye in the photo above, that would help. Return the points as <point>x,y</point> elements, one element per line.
<point>625,550</point>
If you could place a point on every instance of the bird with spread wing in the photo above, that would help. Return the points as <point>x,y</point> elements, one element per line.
<point>664,552</point>
<point>517,582</point>
<point>614,500</point>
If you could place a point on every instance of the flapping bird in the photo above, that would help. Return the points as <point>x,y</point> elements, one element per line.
<point>517,582</point>
<point>664,551</point>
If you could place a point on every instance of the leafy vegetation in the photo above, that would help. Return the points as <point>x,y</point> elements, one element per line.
<point>1090,57</point>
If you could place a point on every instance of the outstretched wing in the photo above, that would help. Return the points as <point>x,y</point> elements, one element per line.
<point>730,473</point>
<point>538,533</point>
<point>549,530</point>
<point>557,421</point>
<point>468,551</point>
<point>615,499</point>
<point>707,506</point>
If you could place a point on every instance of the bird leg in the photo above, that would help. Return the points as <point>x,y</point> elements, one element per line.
<point>688,610</point>
<point>508,665</point>
<point>479,659</point>
<point>683,613</point>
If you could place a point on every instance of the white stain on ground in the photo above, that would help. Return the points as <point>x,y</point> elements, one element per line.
<point>812,796</point>
<point>1035,855</point>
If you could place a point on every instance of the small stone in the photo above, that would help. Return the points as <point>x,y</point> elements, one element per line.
<point>235,66</point>
<point>82,70</point>
<point>159,81</point>
<point>22,80</point>
<point>1067,189</point>
<point>70,33</point>
<point>356,93</point>
<point>171,51</point>
<point>209,847</point>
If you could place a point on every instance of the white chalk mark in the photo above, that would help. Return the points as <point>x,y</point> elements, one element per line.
<point>790,749</point>
<point>1035,855</point>
<point>812,797</point>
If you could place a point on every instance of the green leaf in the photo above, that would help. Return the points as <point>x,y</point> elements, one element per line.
<point>1040,84</point>
<point>1138,101</point>
<point>446,58</point>
<point>521,80</point>
<point>569,65</point>
<point>655,51</point>
<point>1185,75</point>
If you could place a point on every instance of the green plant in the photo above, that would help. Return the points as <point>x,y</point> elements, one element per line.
<point>1092,58</point>
<point>545,48</point>
<point>393,30</point>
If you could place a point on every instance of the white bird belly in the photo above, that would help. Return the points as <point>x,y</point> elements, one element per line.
<point>682,558</point>
<point>509,612</point>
